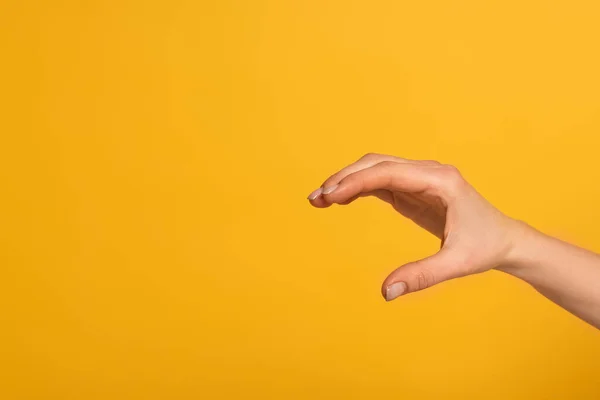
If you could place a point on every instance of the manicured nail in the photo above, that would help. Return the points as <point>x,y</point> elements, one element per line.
<point>395,290</point>
<point>315,194</point>
<point>330,189</point>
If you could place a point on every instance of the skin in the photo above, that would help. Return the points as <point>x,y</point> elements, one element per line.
<point>475,236</point>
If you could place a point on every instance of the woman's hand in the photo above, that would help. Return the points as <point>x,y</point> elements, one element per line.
<point>475,236</point>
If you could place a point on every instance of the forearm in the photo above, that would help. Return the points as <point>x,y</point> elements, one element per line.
<point>566,274</point>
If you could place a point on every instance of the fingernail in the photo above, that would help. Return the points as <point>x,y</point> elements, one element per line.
<point>330,189</point>
<point>315,194</point>
<point>395,290</point>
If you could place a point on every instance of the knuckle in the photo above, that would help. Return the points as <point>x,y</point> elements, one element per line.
<point>388,164</point>
<point>388,169</point>
<point>452,179</point>
<point>370,156</point>
<point>431,162</point>
<point>451,170</point>
<point>424,279</point>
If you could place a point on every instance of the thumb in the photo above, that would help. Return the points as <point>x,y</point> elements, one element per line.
<point>421,274</point>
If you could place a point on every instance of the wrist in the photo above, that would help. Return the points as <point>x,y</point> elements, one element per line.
<point>524,241</point>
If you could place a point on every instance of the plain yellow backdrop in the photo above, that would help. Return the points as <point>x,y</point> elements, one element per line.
<point>155,158</point>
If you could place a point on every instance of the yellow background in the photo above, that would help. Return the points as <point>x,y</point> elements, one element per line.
<point>155,158</point>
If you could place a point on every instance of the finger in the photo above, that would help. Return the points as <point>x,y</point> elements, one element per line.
<point>407,200</point>
<point>316,199</point>
<point>419,275</point>
<point>443,181</point>
<point>381,194</point>
<point>386,175</point>
<point>366,161</point>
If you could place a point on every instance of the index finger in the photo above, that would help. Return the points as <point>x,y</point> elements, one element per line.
<point>393,176</point>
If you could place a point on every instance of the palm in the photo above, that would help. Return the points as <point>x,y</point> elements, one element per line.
<point>425,210</point>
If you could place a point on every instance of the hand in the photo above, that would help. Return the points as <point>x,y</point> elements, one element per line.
<point>475,236</point>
